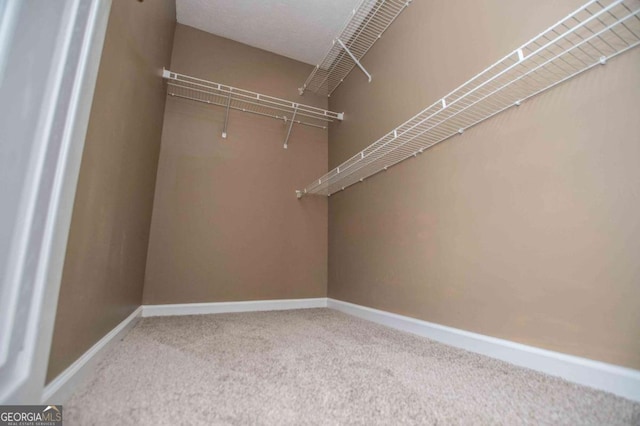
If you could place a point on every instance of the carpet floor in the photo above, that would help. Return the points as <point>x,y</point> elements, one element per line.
<point>319,366</point>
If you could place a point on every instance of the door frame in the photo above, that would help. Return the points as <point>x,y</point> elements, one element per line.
<point>49,190</point>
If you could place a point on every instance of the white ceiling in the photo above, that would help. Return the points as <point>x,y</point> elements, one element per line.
<point>298,29</point>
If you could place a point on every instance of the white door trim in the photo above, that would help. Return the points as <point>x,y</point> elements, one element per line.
<point>63,119</point>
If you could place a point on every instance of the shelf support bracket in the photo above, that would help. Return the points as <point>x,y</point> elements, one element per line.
<point>354,59</point>
<point>226,117</point>
<point>293,117</point>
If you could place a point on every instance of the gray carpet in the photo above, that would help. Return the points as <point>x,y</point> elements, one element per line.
<point>319,366</point>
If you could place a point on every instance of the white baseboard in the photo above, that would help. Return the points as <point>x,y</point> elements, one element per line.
<point>226,307</point>
<point>61,388</point>
<point>621,381</point>
<point>599,375</point>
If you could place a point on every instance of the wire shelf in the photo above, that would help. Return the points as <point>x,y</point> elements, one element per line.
<point>366,25</point>
<point>232,98</point>
<point>589,37</point>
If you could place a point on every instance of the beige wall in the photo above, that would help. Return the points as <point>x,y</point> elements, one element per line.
<point>526,227</point>
<point>104,266</point>
<point>226,223</point>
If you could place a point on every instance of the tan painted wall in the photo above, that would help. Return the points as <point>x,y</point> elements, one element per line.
<point>226,223</point>
<point>527,227</point>
<point>104,266</point>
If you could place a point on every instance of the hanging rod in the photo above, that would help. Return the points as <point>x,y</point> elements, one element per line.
<point>364,27</point>
<point>232,98</point>
<point>587,38</point>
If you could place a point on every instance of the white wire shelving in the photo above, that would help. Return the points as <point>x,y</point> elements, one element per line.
<point>232,98</point>
<point>589,37</point>
<point>366,25</point>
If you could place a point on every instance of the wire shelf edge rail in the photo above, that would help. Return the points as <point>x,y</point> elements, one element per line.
<point>589,37</point>
<point>233,98</point>
<point>364,27</point>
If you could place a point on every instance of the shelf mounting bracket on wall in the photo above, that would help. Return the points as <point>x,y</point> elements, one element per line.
<point>286,140</point>
<point>226,117</point>
<point>363,28</point>
<point>346,49</point>
<point>233,98</point>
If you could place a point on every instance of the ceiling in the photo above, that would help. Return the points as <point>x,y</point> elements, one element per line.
<point>299,29</point>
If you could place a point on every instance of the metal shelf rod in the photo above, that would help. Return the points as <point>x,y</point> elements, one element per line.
<point>182,80</point>
<point>233,98</point>
<point>590,36</point>
<point>205,92</point>
<point>278,117</point>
